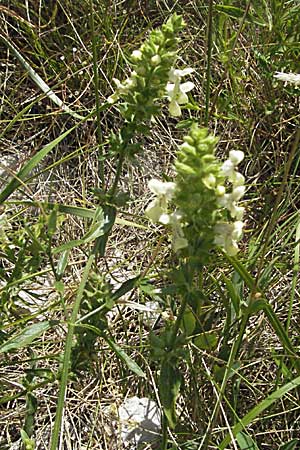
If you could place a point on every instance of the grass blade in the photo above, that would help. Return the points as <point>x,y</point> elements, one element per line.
<point>257,410</point>
<point>39,81</point>
<point>26,336</point>
<point>67,356</point>
<point>18,179</point>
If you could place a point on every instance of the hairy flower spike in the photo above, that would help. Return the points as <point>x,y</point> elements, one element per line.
<point>199,180</point>
<point>206,214</point>
<point>152,64</point>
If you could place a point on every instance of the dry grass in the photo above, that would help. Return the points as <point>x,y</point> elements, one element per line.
<point>251,113</point>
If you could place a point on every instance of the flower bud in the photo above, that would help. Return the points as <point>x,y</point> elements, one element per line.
<point>155,60</point>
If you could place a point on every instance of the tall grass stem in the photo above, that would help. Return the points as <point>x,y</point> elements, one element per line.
<point>67,357</point>
<point>97,97</point>
<point>208,65</point>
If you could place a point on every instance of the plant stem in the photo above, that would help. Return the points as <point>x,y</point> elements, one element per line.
<point>164,444</point>
<point>67,356</point>
<point>232,358</point>
<point>118,172</point>
<point>97,98</point>
<point>208,66</point>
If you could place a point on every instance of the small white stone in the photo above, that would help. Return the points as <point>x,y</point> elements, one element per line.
<point>140,420</point>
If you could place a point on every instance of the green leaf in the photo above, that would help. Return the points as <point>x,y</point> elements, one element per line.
<point>96,230</point>
<point>231,11</point>
<point>39,81</point>
<point>291,445</point>
<point>26,337</point>
<point>280,331</point>
<point>242,271</point>
<point>169,386</point>
<point>78,211</point>
<point>60,287</point>
<point>188,322</point>
<point>245,442</point>
<point>234,296</point>
<point>130,363</point>
<point>127,286</point>
<point>62,263</point>
<point>257,410</point>
<point>29,444</point>
<point>184,124</point>
<point>207,340</point>
<point>52,222</point>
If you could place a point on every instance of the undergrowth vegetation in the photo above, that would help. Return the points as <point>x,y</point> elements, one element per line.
<point>149,224</point>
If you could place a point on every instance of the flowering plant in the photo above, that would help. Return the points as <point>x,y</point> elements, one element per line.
<point>199,193</point>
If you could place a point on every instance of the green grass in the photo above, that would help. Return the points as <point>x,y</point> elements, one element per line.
<point>239,372</point>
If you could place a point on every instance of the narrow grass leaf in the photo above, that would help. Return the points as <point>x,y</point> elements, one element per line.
<point>78,211</point>
<point>243,272</point>
<point>62,263</point>
<point>291,445</point>
<point>39,81</point>
<point>231,11</point>
<point>130,363</point>
<point>257,410</point>
<point>67,357</point>
<point>169,386</point>
<point>96,230</point>
<point>16,182</point>
<point>245,442</point>
<point>127,286</point>
<point>26,337</point>
<point>279,330</point>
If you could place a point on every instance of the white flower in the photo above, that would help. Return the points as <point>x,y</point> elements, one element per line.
<point>209,181</point>
<point>228,235</point>
<point>155,60</point>
<point>237,193</point>
<point>220,190</point>
<point>161,188</point>
<point>229,201</point>
<point>229,166</point>
<point>293,78</point>
<point>237,232</point>
<point>177,91</point>
<point>237,179</point>
<point>237,212</point>
<point>157,210</point>
<point>154,211</point>
<point>174,74</point>
<point>236,156</point>
<point>136,55</point>
<point>122,88</point>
